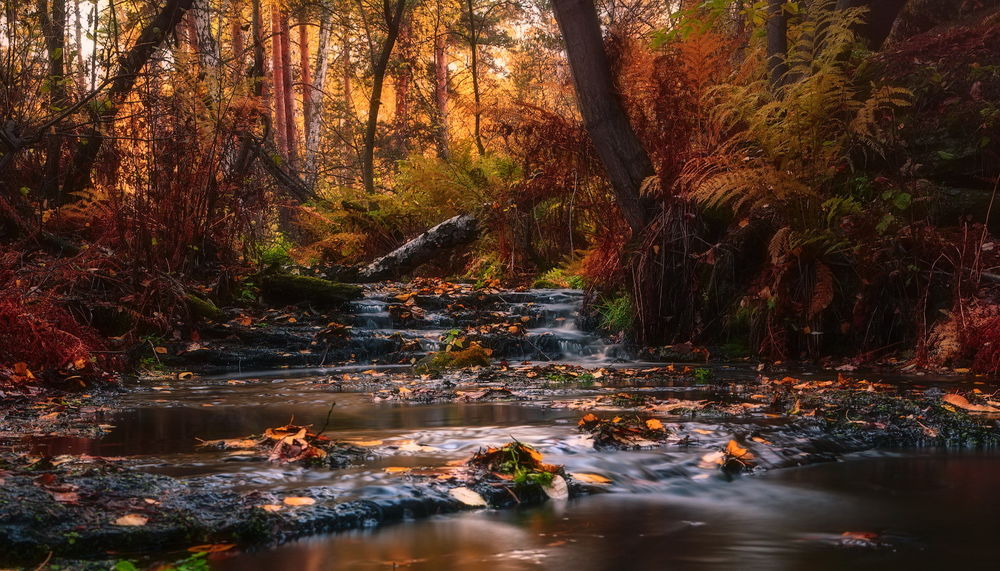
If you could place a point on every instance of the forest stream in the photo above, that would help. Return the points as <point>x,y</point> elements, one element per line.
<point>652,507</point>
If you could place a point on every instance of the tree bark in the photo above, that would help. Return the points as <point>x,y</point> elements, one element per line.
<point>625,160</point>
<point>304,65</point>
<point>314,119</point>
<point>777,43</point>
<point>477,110</point>
<point>393,14</point>
<point>53,20</point>
<point>286,78</point>
<point>129,65</point>
<point>236,32</point>
<point>441,92</point>
<point>882,15</point>
<point>209,52</point>
<point>277,83</point>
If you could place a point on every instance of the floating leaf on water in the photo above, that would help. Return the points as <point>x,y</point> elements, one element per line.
<point>365,442</point>
<point>211,548</point>
<point>271,507</point>
<point>734,449</point>
<point>654,424</point>
<point>132,520</point>
<point>467,496</point>
<point>590,478</point>
<point>396,470</point>
<point>298,501</point>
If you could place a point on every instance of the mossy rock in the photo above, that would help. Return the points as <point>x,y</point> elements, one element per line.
<point>474,356</point>
<point>287,288</point>
<point>202,308</point>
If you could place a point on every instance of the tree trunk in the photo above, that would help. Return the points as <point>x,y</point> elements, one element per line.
<point>53,20</point>
<point>286,78</point>
<point>278,83</point>
<point>129,66</point>
<point>777,43</point>
<point>304,65</point>
<point>441,93</point>
<point>404,76</point>
<point>882,15</point>
<point>477,110</point>
<point>625,160</point>
<point>236,32</point>
<point>314,119</point>
<point>393,19</point>
<point>209,52</point>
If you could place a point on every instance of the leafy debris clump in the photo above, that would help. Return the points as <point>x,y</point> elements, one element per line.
<point>624,433</point>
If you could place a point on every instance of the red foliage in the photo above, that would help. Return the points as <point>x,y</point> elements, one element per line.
<point>35,329</point>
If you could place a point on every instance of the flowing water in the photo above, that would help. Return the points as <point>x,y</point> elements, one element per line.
<point>930,509</point>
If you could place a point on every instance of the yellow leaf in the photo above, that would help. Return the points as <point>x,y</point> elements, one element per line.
<point>270,507</point>
<point>654,424</point>
<point>396,470</point>
<point>298,501</point>
<point>132,520</point>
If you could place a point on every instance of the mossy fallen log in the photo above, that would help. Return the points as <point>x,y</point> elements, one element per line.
<point>292,289</point>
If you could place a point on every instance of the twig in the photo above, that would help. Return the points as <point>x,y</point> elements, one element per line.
<point>329,413</point>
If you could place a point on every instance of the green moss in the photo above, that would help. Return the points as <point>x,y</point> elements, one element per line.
<point>474,356</point>
<point>286,288</point>
<point>201,308</point>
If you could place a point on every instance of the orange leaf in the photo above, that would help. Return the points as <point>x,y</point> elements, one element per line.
<point>654,424</point>
<point>211,548</point>
<point>590,478</point>
<point>963,403</point>
<point>132,520</point>
<point>298,501</point>
<point>735,450</point>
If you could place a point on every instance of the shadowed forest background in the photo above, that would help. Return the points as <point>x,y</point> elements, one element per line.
<point>779,179</point>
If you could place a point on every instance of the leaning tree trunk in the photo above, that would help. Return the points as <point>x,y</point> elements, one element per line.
<point>455,231</point>
<point>625,160</point>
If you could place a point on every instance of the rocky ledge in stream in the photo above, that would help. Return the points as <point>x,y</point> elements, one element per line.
<point>89,507</point>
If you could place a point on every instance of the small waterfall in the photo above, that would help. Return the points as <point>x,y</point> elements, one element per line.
<point>544,324</point>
